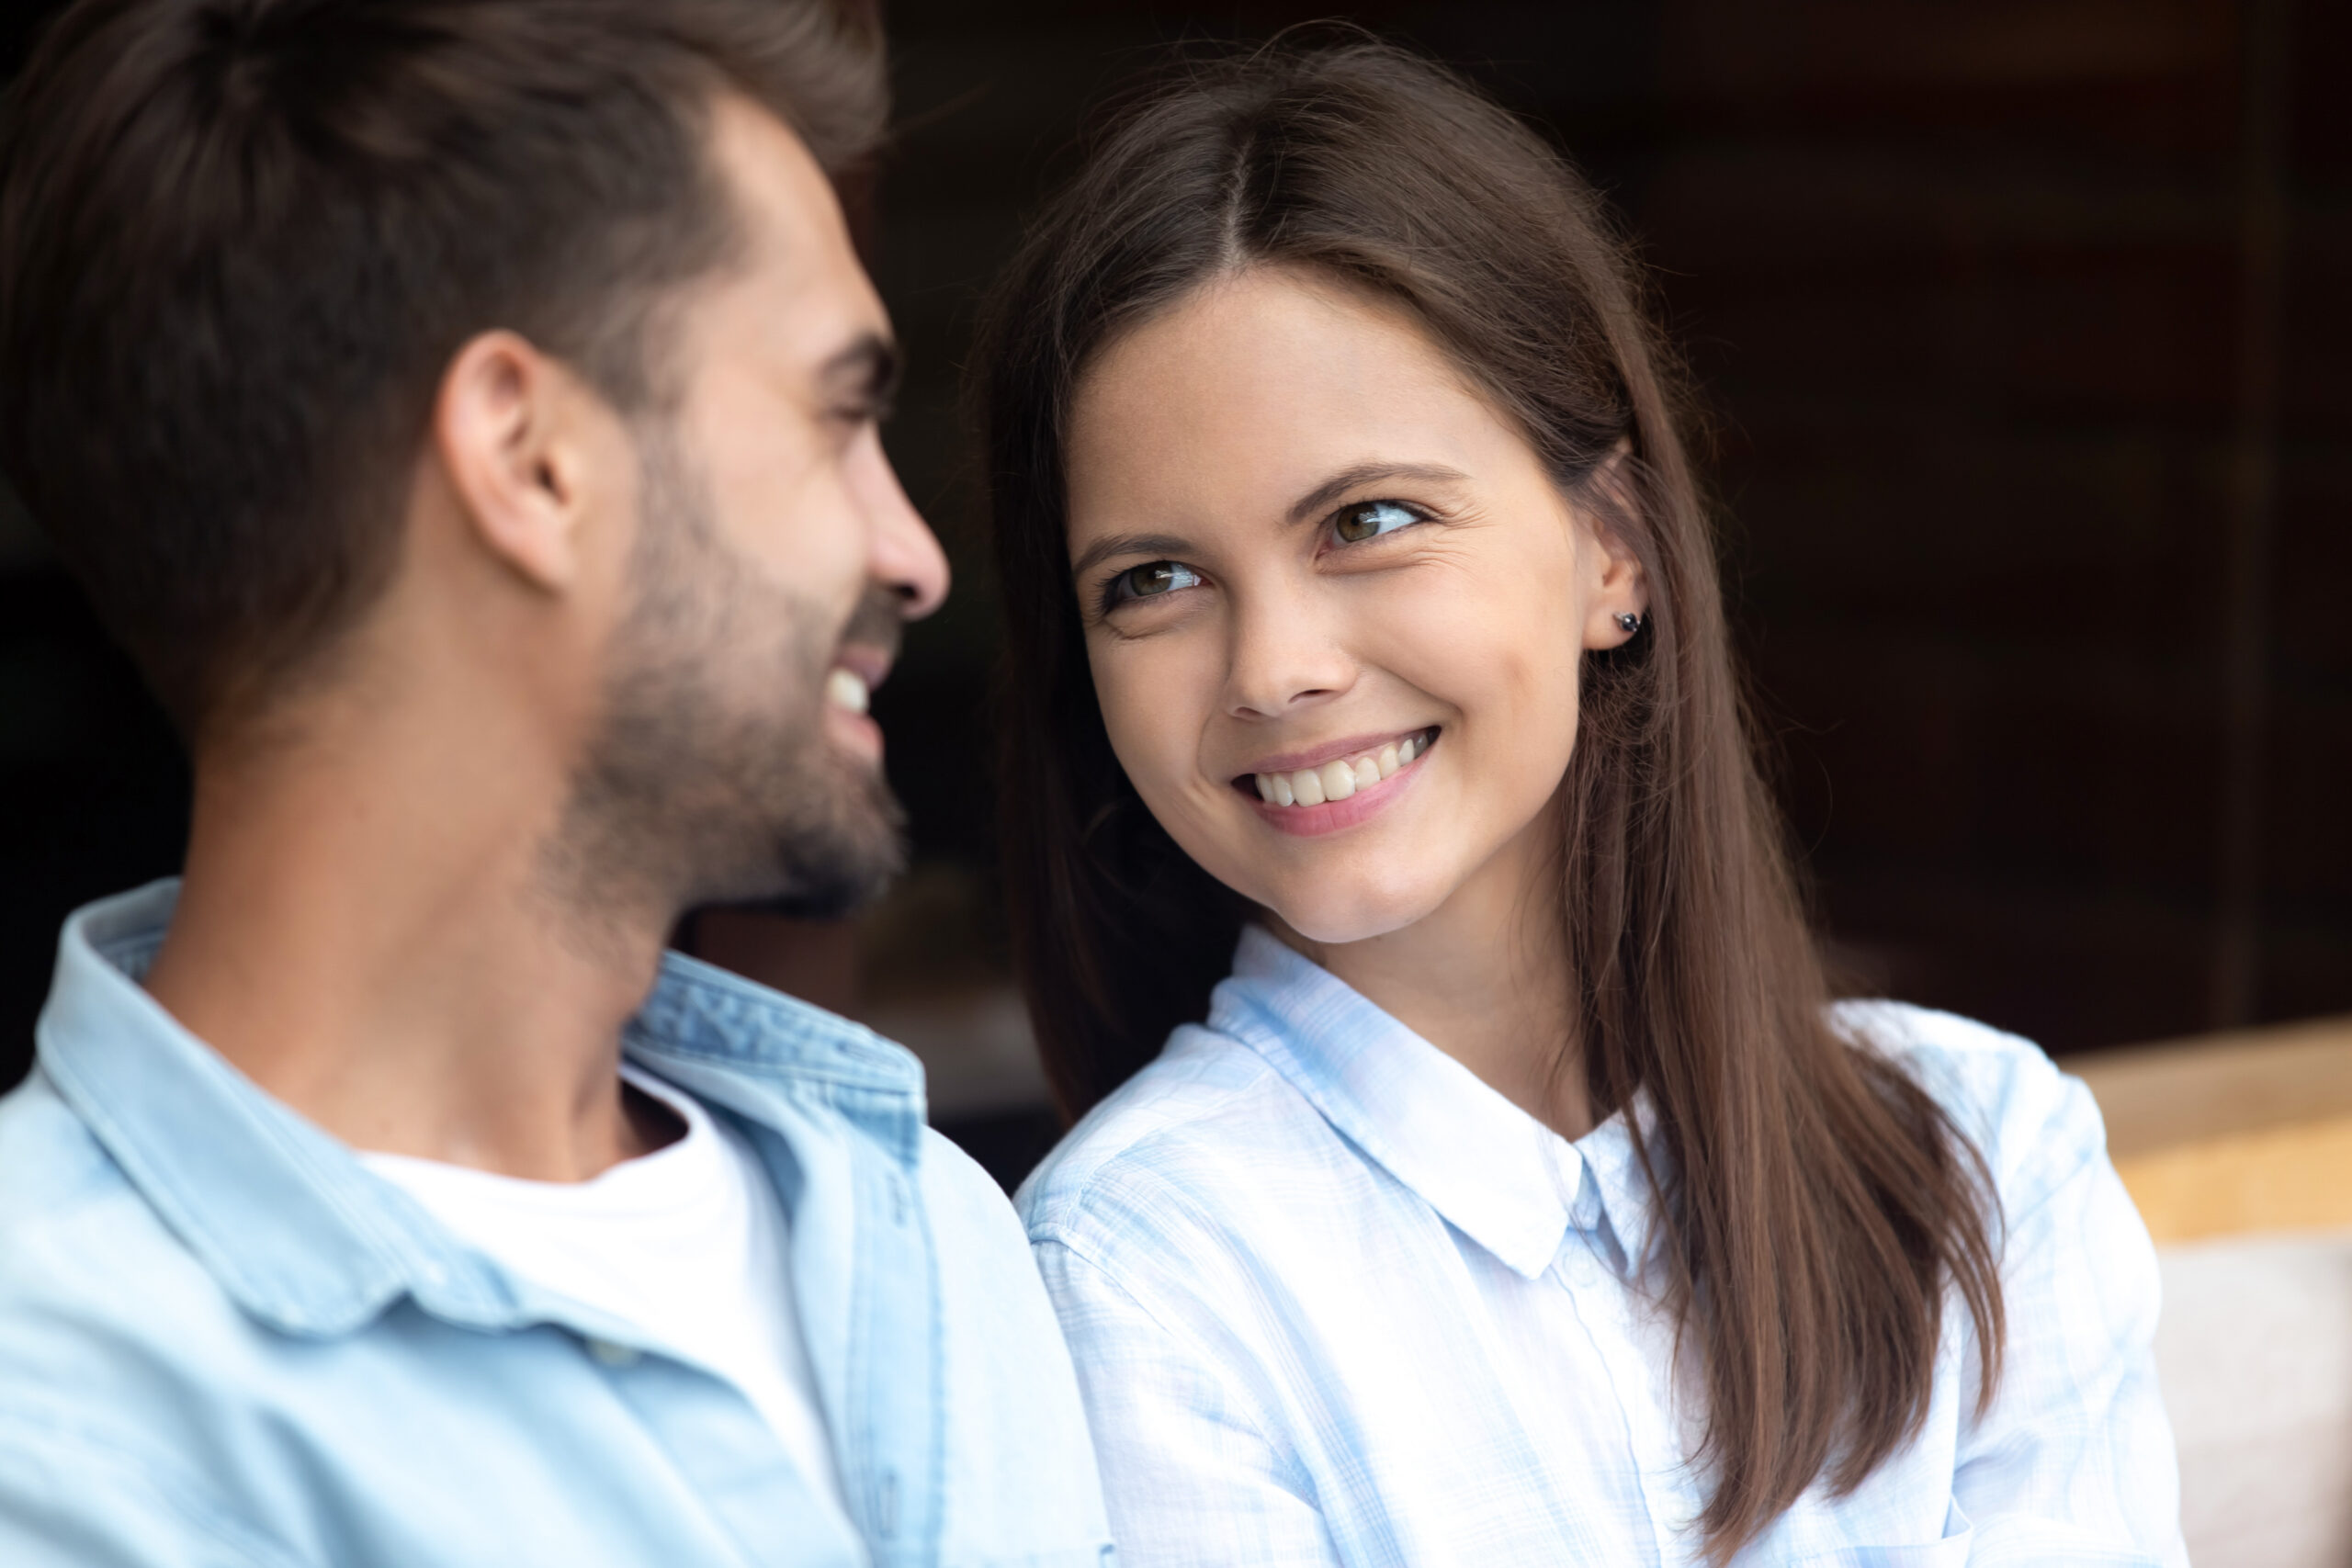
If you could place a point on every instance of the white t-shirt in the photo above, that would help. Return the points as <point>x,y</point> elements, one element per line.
<point>688,1244</point>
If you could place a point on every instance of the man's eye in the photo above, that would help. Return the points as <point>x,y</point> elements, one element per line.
<point>1150,581</point>
<point>1370,519</point>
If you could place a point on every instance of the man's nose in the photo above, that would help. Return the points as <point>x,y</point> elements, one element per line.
<point>905,557</point>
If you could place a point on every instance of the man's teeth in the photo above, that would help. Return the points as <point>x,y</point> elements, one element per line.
<point>846,688</point>
<point>1337,780</point>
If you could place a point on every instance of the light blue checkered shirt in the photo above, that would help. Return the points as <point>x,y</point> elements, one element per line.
<point>1333,1300</point>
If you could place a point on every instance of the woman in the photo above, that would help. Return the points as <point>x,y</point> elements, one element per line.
<point>1509,1190</point>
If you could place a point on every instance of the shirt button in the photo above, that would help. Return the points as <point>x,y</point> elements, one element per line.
<point>609,1354</point>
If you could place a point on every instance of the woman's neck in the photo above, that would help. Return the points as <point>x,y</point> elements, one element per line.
<point>1485,977</point>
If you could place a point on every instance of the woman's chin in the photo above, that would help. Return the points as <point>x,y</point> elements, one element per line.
<point>1335,921</point>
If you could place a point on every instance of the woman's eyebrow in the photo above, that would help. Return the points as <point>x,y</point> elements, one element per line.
<point>1346,480</point>
<point>1129,544</point>
<point>1305,507</point>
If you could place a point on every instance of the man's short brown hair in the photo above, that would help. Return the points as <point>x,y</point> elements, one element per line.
<point>240,241</point>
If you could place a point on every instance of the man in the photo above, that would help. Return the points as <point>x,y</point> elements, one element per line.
<point>464,412</point>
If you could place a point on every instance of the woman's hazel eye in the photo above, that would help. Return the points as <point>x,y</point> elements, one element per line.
<point>1371,519</point>
<point>1153,578</point>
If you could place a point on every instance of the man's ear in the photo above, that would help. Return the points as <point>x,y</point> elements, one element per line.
<point>506,427</point>
<point>1617,584</point>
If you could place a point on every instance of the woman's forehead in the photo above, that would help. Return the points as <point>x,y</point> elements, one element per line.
<point>1256,387</point>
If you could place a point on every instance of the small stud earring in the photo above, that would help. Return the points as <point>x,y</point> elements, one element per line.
<point>1628,622</point>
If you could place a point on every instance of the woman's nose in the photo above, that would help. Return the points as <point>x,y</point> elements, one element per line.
<point>1284,656</point>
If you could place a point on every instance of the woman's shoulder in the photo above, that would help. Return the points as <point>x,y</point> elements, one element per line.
<point>1193,1140</point>
<point>2034,1124</point>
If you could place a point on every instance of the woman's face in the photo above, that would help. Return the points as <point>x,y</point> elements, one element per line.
<point>1333,603</point>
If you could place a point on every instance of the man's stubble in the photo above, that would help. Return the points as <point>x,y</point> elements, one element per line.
<point>709,779</point>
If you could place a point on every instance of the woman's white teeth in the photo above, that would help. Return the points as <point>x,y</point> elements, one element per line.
<point>1339,780</point>
<point>847,689</point>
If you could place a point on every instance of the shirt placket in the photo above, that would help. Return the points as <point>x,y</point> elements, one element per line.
<point>1604,1300</point>
<point>898,1429</point>
<point>729,1459</point>
<point>869,1307</point>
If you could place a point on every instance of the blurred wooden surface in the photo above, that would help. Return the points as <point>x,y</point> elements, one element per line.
<point>2232,1134</point>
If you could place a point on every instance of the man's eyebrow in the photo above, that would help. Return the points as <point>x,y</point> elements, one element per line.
<point>1346,480</point>
<point>1128,544</point>
<point>867,369</point>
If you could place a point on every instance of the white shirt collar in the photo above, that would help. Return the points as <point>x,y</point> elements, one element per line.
<point>1491,1170</point>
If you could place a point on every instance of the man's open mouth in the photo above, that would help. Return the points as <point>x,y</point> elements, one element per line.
<point>858,668</point>
<point>847,689</point>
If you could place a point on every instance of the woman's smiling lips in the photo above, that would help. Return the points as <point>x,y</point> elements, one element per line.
<point>1337,784</point>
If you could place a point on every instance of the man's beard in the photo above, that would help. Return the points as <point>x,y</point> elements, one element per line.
<point>709,779</point>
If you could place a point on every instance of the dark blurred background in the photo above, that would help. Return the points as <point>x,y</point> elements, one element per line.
<point>2020,323</point>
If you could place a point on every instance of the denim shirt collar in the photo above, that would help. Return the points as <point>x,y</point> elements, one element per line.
<point>285,1217</point>
<point>1491,1170</point>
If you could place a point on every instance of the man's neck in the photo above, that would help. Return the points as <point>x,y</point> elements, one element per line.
<point>370,939</point>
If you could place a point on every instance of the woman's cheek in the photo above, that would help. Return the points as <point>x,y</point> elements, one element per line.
<point>1134,727</point>
<point>1517,694</point>
<point>1150,714</point>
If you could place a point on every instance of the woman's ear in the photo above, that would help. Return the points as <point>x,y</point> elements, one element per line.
<point>506,427</point>
<point>1617,590</point>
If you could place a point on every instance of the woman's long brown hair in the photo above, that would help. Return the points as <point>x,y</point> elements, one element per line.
<point>1816,1206</point>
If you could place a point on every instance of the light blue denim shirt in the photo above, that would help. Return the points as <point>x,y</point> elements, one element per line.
<point>1336,1301</point>
<point>224,1341</point>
